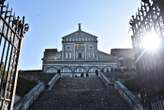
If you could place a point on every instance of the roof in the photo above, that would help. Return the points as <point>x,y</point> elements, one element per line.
<point>54,50</point>
<point>79,32</point>
<point>31,71</point>
<point>123,52</point>
<point>107,56</point>
<point>104,53</point>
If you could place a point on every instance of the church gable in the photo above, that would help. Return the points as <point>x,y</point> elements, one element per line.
<point>79,36</point>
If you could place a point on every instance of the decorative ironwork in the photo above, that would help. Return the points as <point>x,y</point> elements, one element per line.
<point>150,17</point>
<point>12,30</point>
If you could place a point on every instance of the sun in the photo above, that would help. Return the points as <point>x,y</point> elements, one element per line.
<point>151,41</point>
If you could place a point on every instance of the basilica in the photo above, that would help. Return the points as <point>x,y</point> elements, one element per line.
<point>79,55</point>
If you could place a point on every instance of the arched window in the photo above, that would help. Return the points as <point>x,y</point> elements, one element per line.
<point>66,55</point>
<point>66,70</point>
<point>89,54</point>
<point>79,55</point>
<point>70,55</point>
<point>80,69</point>
<point>51,70</point>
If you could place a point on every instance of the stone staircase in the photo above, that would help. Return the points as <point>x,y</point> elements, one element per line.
<point>80,94</point>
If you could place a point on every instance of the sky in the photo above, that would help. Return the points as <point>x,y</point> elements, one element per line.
<point>50,20</point>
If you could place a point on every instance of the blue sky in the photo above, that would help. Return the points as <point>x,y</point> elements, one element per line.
<point>49,20</point>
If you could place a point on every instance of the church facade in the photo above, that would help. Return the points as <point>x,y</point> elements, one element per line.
<point>79,55</point>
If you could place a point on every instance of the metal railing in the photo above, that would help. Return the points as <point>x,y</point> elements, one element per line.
<point>148,19</point>
<point>12,30</point>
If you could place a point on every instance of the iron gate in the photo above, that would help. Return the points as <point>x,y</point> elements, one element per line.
<point>12,30</point>
<point>149,19</point>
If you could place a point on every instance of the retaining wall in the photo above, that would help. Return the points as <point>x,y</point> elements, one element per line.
<point>30,97</point>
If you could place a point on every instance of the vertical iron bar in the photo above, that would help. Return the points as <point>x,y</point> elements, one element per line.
<point>3,18</point>
<point>21,31</point>
<point>10,56</point>
<point>6,60</point>
<point>11,35</point>
<point>3,81</point>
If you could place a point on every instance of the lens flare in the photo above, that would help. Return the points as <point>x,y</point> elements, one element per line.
<point>151,42</point>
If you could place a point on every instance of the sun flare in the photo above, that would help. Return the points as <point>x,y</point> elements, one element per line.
<point>151,42</point>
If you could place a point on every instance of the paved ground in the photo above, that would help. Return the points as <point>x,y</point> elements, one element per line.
<point>80,94</point>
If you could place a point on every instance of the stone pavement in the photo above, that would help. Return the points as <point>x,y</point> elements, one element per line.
<point>80,94</point>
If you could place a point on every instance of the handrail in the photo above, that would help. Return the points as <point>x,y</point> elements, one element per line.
<point>52,82</point>
<point>132,100</point>
<point>106,81</point>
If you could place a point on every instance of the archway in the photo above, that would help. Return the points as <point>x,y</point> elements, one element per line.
<point>66,71</point>
<point>51,70</point>
<point>79,71</point>
<point>94,70</point>
<point>107,69</point>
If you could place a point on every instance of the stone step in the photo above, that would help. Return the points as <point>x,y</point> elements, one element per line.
<point>80,94</point>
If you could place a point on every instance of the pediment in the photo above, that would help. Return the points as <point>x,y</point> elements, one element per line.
<point>79,36</point>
